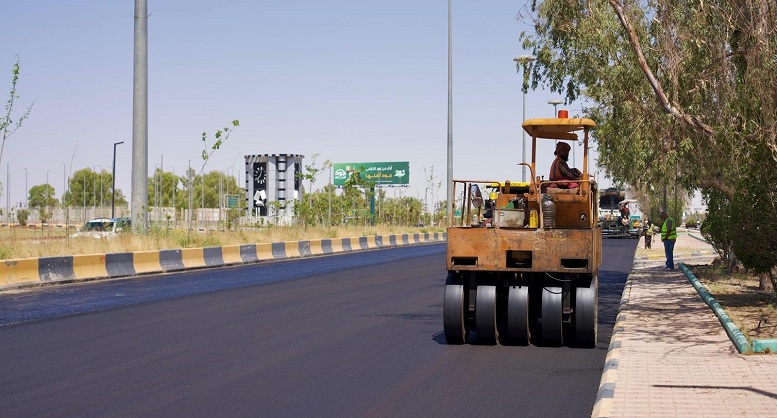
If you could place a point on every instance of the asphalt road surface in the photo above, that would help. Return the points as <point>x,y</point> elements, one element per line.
<point>354,335</point>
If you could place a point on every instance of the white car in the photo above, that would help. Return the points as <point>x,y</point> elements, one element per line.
<point>103,228</point>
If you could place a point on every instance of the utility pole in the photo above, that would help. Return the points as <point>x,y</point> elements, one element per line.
<point>450,112</point>
<point>113,180</point>
<point>140,121</point>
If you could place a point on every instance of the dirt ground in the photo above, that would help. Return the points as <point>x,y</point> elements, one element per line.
<point>754,312</point>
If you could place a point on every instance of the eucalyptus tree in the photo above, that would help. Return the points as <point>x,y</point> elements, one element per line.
<point>682,92</point>
<point>42,196</point>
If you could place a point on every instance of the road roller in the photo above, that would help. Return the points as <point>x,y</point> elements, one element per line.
<point>523,257</point>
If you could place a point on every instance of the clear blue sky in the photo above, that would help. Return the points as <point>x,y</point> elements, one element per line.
<point>353,81</point>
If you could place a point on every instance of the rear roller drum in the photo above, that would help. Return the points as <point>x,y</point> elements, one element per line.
<point>518,315</point>
<point>485,315</point>
<point>552,316</point>
<point>454,323</point>
<point>586,306</point>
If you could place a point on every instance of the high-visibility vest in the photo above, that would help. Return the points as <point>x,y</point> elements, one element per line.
<point>671,233</point>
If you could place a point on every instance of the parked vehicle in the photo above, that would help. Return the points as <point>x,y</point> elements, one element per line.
<point>103,228</point>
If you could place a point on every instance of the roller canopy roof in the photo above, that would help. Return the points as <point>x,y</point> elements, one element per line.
<point>557,128</point>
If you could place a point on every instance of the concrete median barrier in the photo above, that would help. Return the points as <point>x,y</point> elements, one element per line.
<point>15,273</point>
<point>91,266</point>
<point>56,269</point>
<point>147,262</point>
<point>212,256</point>
<point>171,260</point>
<point>193,258</point>
<point>120,264</point>
<point>40,271</point>
<point>248,253</point>
<point>265,251</point>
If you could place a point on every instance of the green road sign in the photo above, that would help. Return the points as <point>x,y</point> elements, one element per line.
<point>379,174</point>
<point>232,200</point>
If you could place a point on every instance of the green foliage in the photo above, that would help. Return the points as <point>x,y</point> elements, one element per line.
<point>221,136</point>
<point>718,224</point>
<point>352,207</point>
<point>6,252</point>
<point>42,196</point>
<point>90,188</point>
<point>7,125</point>
<point>22,216</point>
<point>755,222</point>
<point>682,93</point>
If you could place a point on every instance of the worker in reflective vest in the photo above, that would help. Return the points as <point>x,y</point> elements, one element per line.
<point>669,237</point>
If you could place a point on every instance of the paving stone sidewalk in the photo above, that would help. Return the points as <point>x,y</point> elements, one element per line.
<point>670,356</point>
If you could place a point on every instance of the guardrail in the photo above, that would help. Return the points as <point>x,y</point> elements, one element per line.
<point>64,269</point>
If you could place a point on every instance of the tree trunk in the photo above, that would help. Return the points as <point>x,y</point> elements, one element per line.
<point>767,282</point>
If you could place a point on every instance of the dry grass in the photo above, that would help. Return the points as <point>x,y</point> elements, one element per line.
<point>753,311</point>
<point>25,243</point>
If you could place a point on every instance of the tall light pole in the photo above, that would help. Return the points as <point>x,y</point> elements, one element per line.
<point>64,187</point>
<point>139,193</point>
<point>189,186</point>
<point>555,102</point>
<point>113,180</point>
<point>64,182</point>
<point>94,185</point>
<point>48,192</point>
<point>523,60</point>
<point>450,111</point>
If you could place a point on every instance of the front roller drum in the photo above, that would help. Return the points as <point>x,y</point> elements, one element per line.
<point>586,318</point>
<point>454,319</point>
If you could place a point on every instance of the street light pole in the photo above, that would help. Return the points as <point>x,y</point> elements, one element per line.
<point>66,210</point>
<point>555,102</point>
<point>450,112</point>
<point>523,60</point>
<point>48,193</point>
<point>94,191</point>
<point>113,180</point>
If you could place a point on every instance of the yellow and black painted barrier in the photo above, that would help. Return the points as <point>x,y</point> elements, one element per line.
<point>64,269</point>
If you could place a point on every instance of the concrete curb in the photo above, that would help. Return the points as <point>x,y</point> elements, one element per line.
<point>33,272</point>
<point>604,397</point>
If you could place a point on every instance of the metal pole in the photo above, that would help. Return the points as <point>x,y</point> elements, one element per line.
<point>113,180</point>
<point>523,59</point>
<point>161,187</point>
<point>523,139</point>
<point>94,190</point>
<point>64,183</point>
<point>221,180</point>
<point>329,208</point>
<point>8,193</point>
<point>189,185</point>
<point>65,208</point>
<point>48,191</point>
<point>202,208</point>
<point>140,121</point>
<point>450,110</point>
<point>26,191</point>
<point>175,209</point>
